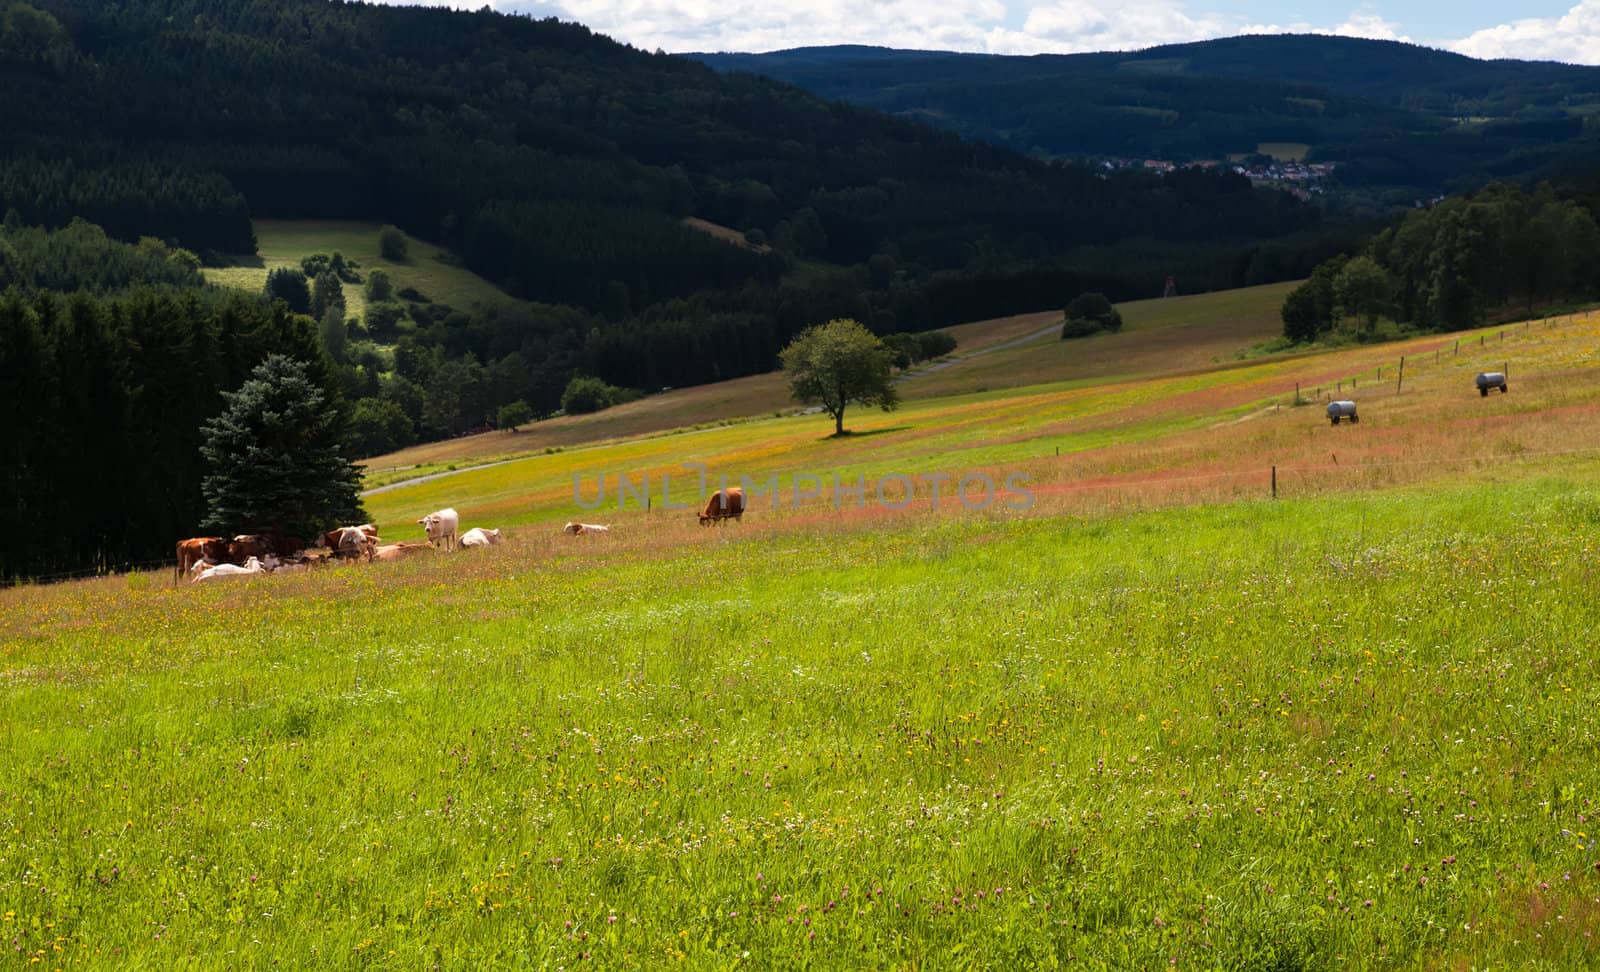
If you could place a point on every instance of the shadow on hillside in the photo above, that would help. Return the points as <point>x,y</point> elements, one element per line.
<point>850,434</point>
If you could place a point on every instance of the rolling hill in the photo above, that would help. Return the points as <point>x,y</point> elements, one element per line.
<point>1392,115</point>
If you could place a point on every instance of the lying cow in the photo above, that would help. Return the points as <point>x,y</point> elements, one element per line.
<point>579,529</point>
<point>399,551</point>
<point>441,526</point>
<point>252,565</point>
<point>352,541</point>
<point>722,505</point>
<point>198,550</point>
<point>479,537</point>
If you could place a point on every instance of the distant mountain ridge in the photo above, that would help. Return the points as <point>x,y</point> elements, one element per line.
<point>1394,114</point>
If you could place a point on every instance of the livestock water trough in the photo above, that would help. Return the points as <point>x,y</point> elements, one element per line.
<point>1491,379</point>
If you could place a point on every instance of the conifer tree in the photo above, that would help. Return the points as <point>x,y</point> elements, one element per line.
<point>274,457</point>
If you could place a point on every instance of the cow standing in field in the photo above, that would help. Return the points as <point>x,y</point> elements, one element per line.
<point>196,550</point>
<point>723,504</point>
<point>442,526</point>
<point>579,529</point>
<point>479,537</point>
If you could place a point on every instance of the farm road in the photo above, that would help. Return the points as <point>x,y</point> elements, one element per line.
<point>958,359</point>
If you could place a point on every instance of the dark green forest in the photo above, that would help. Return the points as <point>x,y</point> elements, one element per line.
<point>1501,252</point>
<point>101,402</point>
<point>1398,119</point>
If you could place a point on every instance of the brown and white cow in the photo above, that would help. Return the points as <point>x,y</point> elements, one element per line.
<point>352,541</point>
<point>212,550</point>
<point>246,545</point>
<point>579,529</point>
<point>723,504</point>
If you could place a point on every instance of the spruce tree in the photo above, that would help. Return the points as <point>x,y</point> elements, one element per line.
<point>274,457</point>
<point>290,286</point>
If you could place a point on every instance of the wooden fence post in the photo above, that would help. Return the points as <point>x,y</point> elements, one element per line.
<point>1274,482</point>
<point>1401,376</point>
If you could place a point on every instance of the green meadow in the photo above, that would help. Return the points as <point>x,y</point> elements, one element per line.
<point>1144,716</point>
<point>1353,732</point>
<point>428,268</point>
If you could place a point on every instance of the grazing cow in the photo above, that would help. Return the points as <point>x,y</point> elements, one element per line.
<point>723,504</point>
<point>247,545</point>
<point>196,550</point>
<point>399,551</point>
<point>479,537</point>
<point>441,526</point>
<point>251,566</point>
<point>579,529</point>
<point>352,541</point>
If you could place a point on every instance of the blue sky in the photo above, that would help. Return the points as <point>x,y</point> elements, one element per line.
<point>1559,30</point>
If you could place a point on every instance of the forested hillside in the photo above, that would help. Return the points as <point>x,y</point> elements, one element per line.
<point>554,161</point>
<point>1393,116</point>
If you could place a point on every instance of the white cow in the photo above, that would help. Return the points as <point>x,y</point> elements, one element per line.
<point>441,525</point>
<point>251,566</point>
<point>579,529</point>
<point>479,537</point>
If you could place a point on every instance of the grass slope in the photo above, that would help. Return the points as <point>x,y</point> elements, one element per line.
<point>1345,732</point>
<point>430,269</point>
<point>1188,332</point>
<point>1209,435</point>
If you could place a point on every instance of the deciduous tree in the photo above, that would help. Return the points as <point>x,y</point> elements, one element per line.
<point>837,363</point>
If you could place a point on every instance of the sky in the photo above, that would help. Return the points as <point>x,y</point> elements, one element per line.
<point>1549,30</point>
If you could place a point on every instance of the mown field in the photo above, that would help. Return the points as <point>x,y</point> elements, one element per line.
<point>428,268</point>
<point>1154,718</point>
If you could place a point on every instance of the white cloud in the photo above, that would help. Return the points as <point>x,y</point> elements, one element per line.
<point>1367,23</point>
<point>1070,26</point>
<point>1046,26</point>
<point>1572,37</point>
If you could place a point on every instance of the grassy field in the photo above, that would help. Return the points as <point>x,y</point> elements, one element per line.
<point>1352,732</point>
<point>1151,718</point>
<point>1185,333</point>
<point>283,243</point>
<point>1211,435</point>
<point>1284,151</point>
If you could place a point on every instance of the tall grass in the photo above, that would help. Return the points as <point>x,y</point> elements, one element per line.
<point>1353,732</point>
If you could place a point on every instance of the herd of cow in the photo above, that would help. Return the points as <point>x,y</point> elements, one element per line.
<point>208,558</point>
